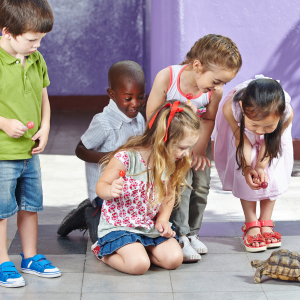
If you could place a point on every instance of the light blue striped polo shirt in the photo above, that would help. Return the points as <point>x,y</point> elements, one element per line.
<point>108,131</point>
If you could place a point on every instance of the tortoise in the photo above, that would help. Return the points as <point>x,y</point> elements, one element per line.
<point>282,264</point>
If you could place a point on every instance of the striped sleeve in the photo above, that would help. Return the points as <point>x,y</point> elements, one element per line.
<point>95,136</point>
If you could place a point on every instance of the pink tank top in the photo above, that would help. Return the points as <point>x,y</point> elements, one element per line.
<point>174,92</point>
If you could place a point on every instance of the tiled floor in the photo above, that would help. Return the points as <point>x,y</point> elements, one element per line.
<point>224,273</point>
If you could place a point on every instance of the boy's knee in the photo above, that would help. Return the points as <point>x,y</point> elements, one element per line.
<point>139,265</point>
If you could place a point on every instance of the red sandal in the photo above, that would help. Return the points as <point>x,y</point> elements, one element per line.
<point>270,235</point>
<point>249,240</point>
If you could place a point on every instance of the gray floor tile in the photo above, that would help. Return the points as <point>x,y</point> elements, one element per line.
<point>51,243</point>
<point>218,263</point>
<point>217,229</point>
<point>43,296</point>
<point>198,282</point>
<point>127,296</point>
<point>279,295</point>
<point>221,295</point>
<point>117,282</point>
<point>69,282</point>
<point>223,244</point>
<point>71,263</point>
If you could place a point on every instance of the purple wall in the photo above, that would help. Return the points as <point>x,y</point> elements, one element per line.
<point>88,37</point>
<point>266,33</point>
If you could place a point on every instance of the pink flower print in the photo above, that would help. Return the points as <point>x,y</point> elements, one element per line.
<point>142,210</point>
<point>130,210</point>
<point>112,208</point>
<point>117,223</point>
<point>133,186</point>
<point>128,203</point>
<point>138,221</point>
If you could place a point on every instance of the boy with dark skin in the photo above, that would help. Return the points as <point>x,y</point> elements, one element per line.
<point>120,120</point>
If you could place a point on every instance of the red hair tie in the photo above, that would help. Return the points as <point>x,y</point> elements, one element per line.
<point>174,110</point>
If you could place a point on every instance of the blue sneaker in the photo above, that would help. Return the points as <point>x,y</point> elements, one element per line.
<point>9,275</point>
<point>40,266</point>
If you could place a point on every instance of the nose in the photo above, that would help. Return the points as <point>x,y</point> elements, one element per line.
<point>260,131</point>
<point>37,44</point>
<point>219,87</point>
<point>135,102</point>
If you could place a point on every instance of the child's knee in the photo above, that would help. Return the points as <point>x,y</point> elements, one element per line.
<point>173,261</point>
<point>139,265</point>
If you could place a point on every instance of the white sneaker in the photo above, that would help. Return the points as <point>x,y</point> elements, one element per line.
<point>197,244</point>
<point>189,253</point>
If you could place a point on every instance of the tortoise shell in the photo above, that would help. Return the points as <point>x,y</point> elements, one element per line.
<point>282,264</point>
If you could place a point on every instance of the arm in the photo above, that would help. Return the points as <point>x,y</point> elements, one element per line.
<point>163,216</point>
<point>110,184</point>
<point>249,172</point>
<point>89,155</point>
<point>43,133</point>
<point>207,125</point>
<point>261,165</point>
<point>158,92</point>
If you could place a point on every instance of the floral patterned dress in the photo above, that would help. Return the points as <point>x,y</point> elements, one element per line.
<point>132,211</point>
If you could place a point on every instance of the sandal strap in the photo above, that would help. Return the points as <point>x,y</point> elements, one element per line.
<point>252,239</point>
<point>269,235</point>
<point>267,223</point>
<point>249,225</point>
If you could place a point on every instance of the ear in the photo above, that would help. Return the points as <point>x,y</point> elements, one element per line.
<point>197,66</point>
<point>110,93</point>
<point>241,105</point>
<point>6,34</point>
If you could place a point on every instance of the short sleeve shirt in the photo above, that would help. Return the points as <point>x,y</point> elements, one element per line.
<point>108,131</point>
<point>21,99</point>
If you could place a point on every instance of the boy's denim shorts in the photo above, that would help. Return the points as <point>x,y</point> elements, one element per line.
<point>20,186</point>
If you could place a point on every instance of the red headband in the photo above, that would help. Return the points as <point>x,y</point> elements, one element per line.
<point>174,110</point>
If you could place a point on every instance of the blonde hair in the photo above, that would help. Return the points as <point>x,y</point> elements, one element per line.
<point>215,50</point>
<point>161,152</point>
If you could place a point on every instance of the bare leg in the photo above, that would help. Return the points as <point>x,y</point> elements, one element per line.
<point>249,208</point>
<point>167,255</point>
<point>132,259</point>
<point>3,235</point>
<point>28,228</point>
<point>266,211</point>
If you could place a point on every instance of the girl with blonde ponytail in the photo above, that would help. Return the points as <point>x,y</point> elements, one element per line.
<point>134,229</point>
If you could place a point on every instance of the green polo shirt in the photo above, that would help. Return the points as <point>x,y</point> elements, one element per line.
<point>21,99</point>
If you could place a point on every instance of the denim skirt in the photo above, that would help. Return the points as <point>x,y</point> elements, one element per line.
<point>115,240</point>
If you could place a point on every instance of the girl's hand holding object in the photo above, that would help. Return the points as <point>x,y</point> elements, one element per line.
<point>117,186</point>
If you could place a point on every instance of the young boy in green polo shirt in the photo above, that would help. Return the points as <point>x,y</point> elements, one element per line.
<point>23,98</point>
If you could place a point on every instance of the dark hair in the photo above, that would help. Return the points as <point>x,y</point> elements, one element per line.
<point>215,50</point>
<point>21,16</point>
<point>125,69</point>
<point>261,98</point>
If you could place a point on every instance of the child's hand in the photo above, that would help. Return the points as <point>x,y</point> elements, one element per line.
<point>191,105</point>
<point>42,136</point>
<point>116,188</point>
<point>252,178</point>
<point>262,175</point>
<point>199,159</point>
<point>13,128</point>
<point>165,229</point>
